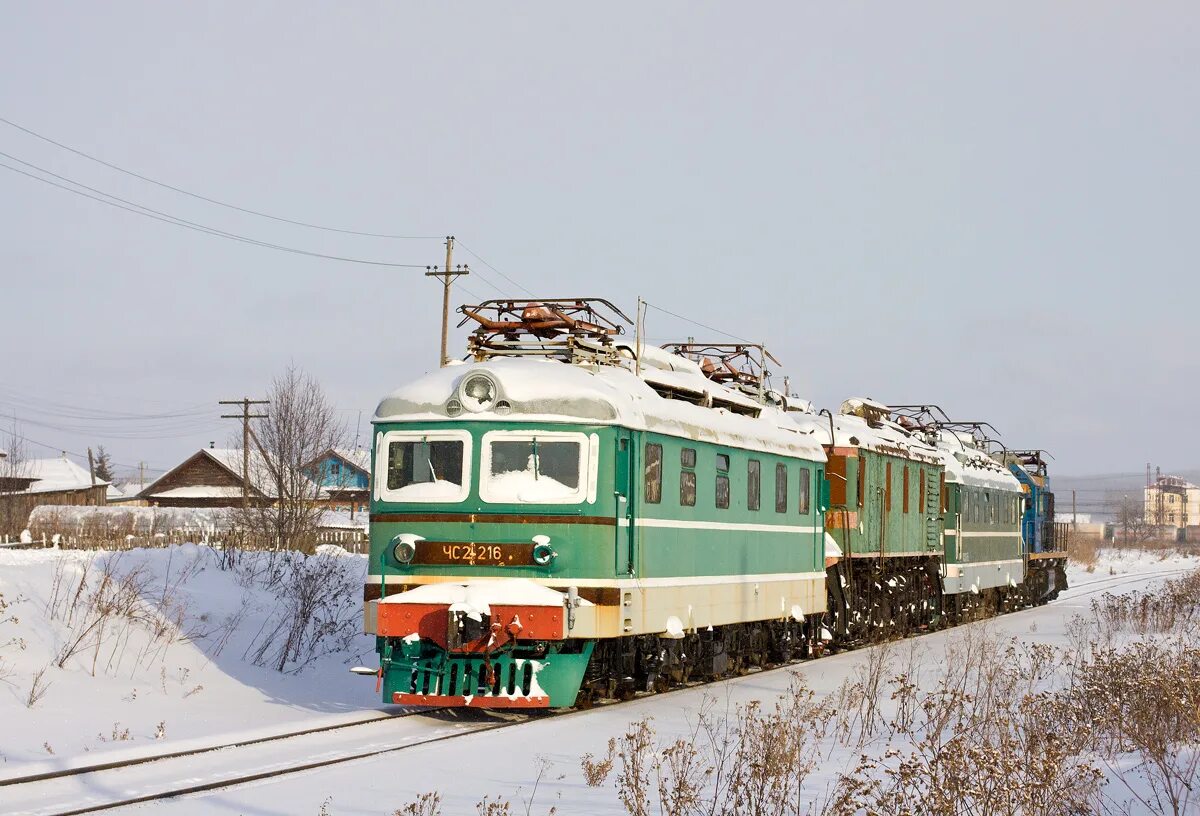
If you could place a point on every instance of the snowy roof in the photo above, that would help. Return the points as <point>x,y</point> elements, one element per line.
<point>358,457</point>
<point>1172,483</point>
<point>230,459</point>
<point>199,492</point>
<point>553,391</point>
<point>55,475</point>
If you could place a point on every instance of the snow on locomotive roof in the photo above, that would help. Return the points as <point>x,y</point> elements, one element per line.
<point>545,390</point>
<point>967,464</point>
<point>883,437</point>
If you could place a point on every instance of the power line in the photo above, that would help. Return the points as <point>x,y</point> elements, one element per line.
<point>494,269</point>
<point>77,455</point>
<point>199,197</point>
<point>167,218</point>
<point>697,323</point>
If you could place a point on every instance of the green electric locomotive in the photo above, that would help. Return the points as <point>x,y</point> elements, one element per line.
<point>570,515</point>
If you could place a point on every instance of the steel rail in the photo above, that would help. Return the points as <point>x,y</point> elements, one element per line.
<point>127,763</point>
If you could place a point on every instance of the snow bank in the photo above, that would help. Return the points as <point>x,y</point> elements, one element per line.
<point>130,688</point>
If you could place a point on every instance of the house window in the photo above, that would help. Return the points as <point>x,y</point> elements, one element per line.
<point>805,491</point>
<point>687,488</point>
<point>781,490</point>
<point>335,468</point>
<point>753,484</point>
<point>653,475</point>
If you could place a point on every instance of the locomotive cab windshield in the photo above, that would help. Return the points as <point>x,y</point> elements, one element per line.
<point>427,466</point>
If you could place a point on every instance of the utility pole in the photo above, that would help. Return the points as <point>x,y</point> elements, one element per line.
<point>1074,515</point>
<point>245,416</point>
<point>142,475</point>
<point>447,275</point>
<point>92,471</point>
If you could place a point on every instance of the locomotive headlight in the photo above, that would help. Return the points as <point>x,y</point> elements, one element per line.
<point>404,547</point>
<point>543,553</point>
<point>478,392</point>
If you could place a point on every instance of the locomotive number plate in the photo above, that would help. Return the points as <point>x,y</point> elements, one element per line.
<point>473,553</point>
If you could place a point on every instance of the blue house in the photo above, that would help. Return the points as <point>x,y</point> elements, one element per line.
<point>344,476</point>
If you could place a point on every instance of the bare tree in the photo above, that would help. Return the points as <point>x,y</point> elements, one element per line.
<point>14,481</point>
<point>301,425</point>
<point>1132,526</point>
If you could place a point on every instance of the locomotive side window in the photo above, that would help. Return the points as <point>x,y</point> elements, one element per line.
<point>723,491</point>
<point>887,489</point>
<point>805,491</point>
<point>862,480</point>
<point>687,488</point>
<point>687,478</point>
<point>906,488</point>
<point>544,468</point>
<point>431,467</point>
<point>781,490</point>
<point>653,473</point>
<point>753,484</point>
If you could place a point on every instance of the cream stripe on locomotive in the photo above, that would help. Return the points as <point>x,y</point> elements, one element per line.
<point>614,583</point>
<point>658,605</point>
<point>993,534</point>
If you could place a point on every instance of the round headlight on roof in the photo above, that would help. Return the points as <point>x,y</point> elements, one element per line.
<point>478,392</point>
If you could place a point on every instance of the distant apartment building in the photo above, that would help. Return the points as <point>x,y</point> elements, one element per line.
<point>1172,502</point>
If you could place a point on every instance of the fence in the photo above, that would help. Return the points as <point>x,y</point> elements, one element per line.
<point>351,540</point>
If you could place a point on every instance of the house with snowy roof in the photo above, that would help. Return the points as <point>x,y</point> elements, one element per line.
<point>47,481</point>
<point>344,475</point>
<point>211,477</point>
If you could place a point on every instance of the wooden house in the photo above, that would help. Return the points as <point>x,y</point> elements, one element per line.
<point>57,481</point>
<point>211,477</point>
<point>345,478</point>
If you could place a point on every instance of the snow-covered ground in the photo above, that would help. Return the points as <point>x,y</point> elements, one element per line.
<point>176,664</point>
<point>77,714</point>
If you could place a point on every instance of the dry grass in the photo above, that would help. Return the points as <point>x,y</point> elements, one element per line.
<point>993,726</point>
<point>1083,550</point>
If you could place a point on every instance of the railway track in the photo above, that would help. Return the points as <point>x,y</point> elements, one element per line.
<point>121,783</point>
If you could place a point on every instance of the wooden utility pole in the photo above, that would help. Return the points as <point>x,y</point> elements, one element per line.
<point>245,416</point>
<point>1074,515</point>
<point>447,275</point>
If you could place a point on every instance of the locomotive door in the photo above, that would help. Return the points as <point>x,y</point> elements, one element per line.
<point>623,498</point>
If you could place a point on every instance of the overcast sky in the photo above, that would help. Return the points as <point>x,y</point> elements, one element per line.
<point>994,209</point>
